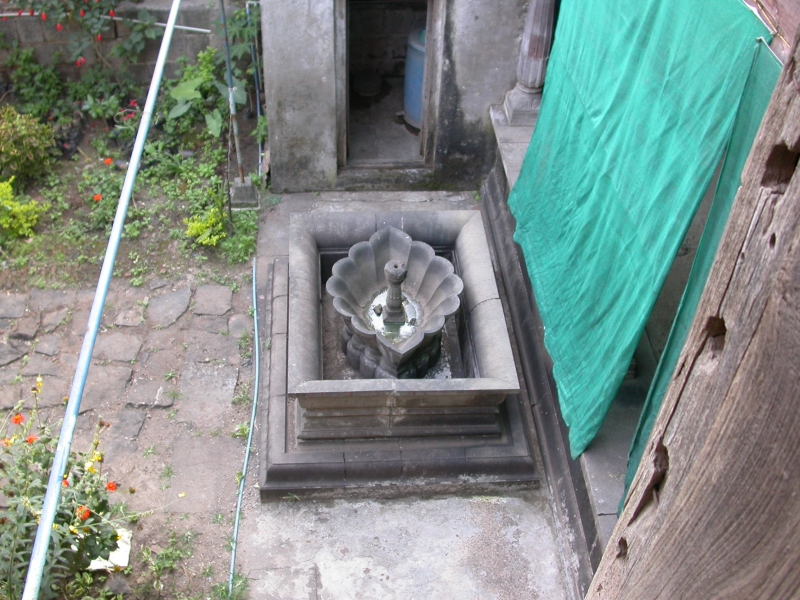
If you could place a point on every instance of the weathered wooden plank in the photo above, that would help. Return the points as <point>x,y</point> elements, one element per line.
<point>714,510</point>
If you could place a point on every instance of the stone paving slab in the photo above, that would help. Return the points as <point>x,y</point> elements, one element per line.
<point>9,354</point>
<point>39,364</point>
<point>150,393</point>
<point>206,393</point>
<point>239,325</point>
<point>118,346</point>
<point>48,345</point>
<point>54,318</point>
<point>204,347</point>
<point>211,324</point>
<point>164,310</point>
<point>212,299</point>
<point>105,384</point>
<point>12,306</point>
<point>121,437</point>
<point>198,473</point>
<point>27,327</point>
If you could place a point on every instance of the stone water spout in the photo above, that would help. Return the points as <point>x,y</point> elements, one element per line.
<point>395,295</point>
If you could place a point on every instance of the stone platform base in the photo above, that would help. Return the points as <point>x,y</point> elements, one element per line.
<point>421,460</point>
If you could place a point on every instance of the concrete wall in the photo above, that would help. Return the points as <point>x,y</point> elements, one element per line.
<point>481,40</point>
<point>51,46</point>
<point>473,64</point>
<point>300,82</point>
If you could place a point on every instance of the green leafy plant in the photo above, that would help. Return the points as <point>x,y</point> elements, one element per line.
<point>241,431</point>
<point>102,186</point>
<point>37,88</point>
<point>17,219</point>
<point>26,146</point>
<point>164,561</point>
<point>85,525</point>
<point>240,246</point>
<point>261,132</point>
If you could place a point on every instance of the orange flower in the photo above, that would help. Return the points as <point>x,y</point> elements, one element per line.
<point>30,439</point>
<point>17,419</point>
<point>83,512</point>
<point>65,483</point>
<point>111,486</point>
<point>97,197</point>
<point>6,442</point>
<point>108,161</point>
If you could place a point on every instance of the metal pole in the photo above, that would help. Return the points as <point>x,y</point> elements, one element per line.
<point>231,102</point>
<point>256,80</point>
<point>33,580</point>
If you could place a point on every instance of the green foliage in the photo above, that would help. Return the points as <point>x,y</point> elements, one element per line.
<point>101,185</point>
<point>240,246</point>
<point>38,89</point>
<point>85,523</point>
<point>165,561</point>
<point>133,45</point>
<point>261,132</point>
<point>238,590</point>
<point>206,229</point>
<point>26,146</point>
<point>17,219</point>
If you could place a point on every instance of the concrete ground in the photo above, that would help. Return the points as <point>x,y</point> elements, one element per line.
<point>499,544</point>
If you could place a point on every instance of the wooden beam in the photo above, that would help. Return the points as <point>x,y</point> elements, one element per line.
<point>714,510</point>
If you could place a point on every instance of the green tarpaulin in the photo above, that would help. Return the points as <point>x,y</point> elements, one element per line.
<point>638,106</point>
<point>763,76</point>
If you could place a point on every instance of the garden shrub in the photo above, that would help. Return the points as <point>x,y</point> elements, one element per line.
<point>26,146</point>
<point>17,219</point>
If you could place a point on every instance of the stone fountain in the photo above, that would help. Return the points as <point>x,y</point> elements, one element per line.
<point>394,295</point>
<point>407,289</point>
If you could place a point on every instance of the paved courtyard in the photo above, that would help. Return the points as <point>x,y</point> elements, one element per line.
<point>171,372</point>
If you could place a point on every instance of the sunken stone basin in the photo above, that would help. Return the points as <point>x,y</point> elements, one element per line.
<point>394,295</point>
<point>326,429</point>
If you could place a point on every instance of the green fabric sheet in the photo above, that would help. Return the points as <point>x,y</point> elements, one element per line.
<point>760,84</point>
<point>638,106</point>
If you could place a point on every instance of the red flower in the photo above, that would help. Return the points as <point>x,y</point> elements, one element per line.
<point>44,16</point>
<point>108,161</point>
<point>17,419</point>
<point>83,512</point>
<point>99,37</point>
<point>30,12</point>
<point>19,14</point>
<point>30,439</point>
<point>82,13</point>
<point>133,103</point>
<point>59,27</point>
<point>65,483</point>
<point>5,18</point>
<point>80,62</point>
<point>111,486</point>
<point>112,14</point>
<point>97,197</point>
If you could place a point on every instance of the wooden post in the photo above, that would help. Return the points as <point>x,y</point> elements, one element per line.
<point>714,510</point>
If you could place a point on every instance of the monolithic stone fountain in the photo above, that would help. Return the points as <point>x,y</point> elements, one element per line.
<point>394,295</point>
<point>408,289</point>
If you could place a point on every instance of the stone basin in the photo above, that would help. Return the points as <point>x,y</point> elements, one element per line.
<point>408,345</point>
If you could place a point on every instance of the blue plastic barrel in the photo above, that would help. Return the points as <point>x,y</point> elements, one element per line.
<point>415,72</point>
